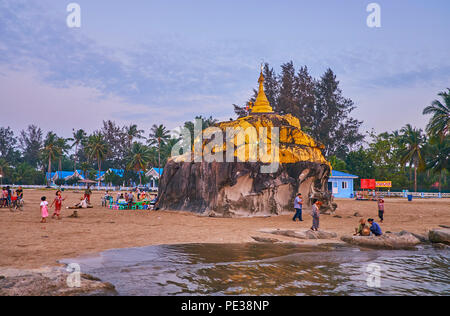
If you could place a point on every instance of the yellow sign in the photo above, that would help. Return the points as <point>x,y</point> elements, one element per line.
<point>383,184</point>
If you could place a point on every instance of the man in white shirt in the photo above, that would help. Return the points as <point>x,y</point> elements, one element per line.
<point>298,204</point>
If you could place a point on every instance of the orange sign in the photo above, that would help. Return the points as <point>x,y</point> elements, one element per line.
<point>384,184</point>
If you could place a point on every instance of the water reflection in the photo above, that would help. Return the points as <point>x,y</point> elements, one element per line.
<point>267,269</point>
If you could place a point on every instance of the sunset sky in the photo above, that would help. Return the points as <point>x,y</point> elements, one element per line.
<point>164,62</point>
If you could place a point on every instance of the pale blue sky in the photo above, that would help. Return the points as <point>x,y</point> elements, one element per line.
<point>150,62</point>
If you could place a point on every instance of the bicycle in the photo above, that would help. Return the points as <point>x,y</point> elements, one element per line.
<point>17,205</point>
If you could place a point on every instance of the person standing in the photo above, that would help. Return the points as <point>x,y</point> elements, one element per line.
<point>8,189</point>
<point>381,209</point>
<point>87,194</point>
<point>44,209</point>
<point>58,205</point>
<point>298,205</point>
<point>316,215</point>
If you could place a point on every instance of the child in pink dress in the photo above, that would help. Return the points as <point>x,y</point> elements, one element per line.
<point>44,209</point>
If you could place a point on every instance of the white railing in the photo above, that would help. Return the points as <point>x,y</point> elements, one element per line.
<point>77,187</point>
<point>422,195</point>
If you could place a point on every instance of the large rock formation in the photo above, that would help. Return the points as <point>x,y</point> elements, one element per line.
<point>402,240</point>
<point>239,188</point>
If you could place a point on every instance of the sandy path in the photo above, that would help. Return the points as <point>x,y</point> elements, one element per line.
<point>25,243</point>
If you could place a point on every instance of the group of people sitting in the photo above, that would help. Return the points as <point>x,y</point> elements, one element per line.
<point>129,198</point>
<point>366,230</point>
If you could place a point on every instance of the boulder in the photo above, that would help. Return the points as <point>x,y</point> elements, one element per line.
<point>49,282</point>
<point>265,240</point>
<point>387,241</point>
<point>239,188</point>
<point>440,235</point>
<point>306,234</point>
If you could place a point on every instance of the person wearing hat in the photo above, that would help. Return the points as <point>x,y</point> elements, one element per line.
<point>298,205</point>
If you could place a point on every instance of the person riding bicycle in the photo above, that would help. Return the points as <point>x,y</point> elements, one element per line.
<point>19,193</point>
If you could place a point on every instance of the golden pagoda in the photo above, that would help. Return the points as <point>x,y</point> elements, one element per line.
<point>261,105</point>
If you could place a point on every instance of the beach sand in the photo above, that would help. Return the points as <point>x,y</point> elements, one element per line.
<point>25,243</point>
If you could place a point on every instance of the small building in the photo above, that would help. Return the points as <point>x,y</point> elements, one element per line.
<point>154,175</point>
<point>340,184</point>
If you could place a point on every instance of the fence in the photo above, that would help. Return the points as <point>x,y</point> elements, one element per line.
<point>422,195</point>
<point>77,187</point>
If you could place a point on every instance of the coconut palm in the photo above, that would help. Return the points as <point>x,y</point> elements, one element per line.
<point>133,132</point>
<point>4,168</point>
<point>97,149</point>
<point>79,137</point>
<point>158,136</point>
<point>139,158</point>
<point>439,156</point>
<point>64,147</point>
<point>413,141</point>
<point>51,151</point>
<point>440,121</point>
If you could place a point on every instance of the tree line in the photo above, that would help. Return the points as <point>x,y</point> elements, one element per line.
<point>409,157</point>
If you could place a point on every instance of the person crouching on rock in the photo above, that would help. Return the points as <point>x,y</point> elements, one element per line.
<point>298,204</point>
<point>363,229</point>
<point>374,227</point>
<point>316,215</point>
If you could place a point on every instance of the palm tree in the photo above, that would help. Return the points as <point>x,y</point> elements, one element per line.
<point>139,158</point>
<point>411,154</point>
<point>158,136</point>
<point>4,168</point>
<point>51,151</point>
<point>97,149</point>
<point>64,147</point>
<point>440,121</point>
<point>133,132</point>
<point>79,137</point>
<point>439,158</point>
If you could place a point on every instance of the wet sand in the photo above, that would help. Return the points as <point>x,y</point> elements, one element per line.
<point>26,243</point>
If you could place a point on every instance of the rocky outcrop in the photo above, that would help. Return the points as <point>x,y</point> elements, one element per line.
<point>239,188</point>
<point>401,240</point>
<point>440,235</point>
<point>306,234</point>
<point>49,282</point>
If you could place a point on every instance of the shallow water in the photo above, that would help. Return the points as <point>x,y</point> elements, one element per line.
<point>269,269</point>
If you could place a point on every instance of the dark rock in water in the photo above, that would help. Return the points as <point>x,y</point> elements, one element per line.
<point>50,282</point>
<point>387,241</point>
<point>444,226</point>
<point>307,234</point>
<point>441,235</point>
<point>357,215</point>
<point>265,240</point>
<point>337,216</point>
<point>441,246</point>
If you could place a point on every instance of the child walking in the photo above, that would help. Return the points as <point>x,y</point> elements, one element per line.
<point>58,204</point>
<point>44,209</point>
<point>381,209</point>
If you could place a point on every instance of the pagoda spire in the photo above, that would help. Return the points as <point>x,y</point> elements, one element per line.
<point>262,104</point>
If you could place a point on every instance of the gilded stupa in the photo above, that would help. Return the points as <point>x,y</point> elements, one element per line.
<point>239,188</point>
